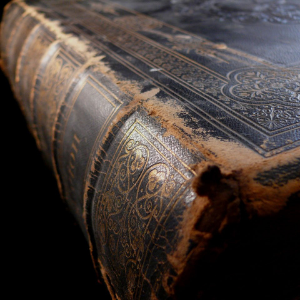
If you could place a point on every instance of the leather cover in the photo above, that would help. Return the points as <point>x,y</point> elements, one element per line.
<point>172,128</point>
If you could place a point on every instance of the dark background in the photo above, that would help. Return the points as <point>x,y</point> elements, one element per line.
<point>44,252</point>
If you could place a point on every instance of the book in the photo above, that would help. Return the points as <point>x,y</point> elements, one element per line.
<point>173,132</point>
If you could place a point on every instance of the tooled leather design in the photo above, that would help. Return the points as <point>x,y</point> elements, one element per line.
<point>267,126</point>
<point>136,210</point>
<point>269,97</point>
<point>142,191</point>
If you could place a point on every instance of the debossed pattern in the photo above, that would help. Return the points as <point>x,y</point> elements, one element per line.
<point>271,98</point>
<point>132,212</point>
<point>260,121</point>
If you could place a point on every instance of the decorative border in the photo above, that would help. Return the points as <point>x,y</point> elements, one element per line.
<point>200,95</point>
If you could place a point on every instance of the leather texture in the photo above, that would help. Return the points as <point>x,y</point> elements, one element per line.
<point>168,125</point>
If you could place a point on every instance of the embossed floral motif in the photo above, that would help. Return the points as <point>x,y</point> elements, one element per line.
<point>274,116</point>
<point>270,98</point>
<point>267,85</point>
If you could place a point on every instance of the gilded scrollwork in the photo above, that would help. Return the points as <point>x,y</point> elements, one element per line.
<point>131,164</point>
<point>131,208</point>
<point>151,185</point>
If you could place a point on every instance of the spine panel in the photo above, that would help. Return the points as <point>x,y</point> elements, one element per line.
<point>14,46</point>
<point>11,18</point>
<point>35,46</point>
<point>138,194</point>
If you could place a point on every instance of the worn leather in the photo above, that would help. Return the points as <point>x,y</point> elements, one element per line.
<point>181,124</point>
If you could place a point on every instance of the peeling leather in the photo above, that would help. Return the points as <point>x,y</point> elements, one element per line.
<point>168,139</point>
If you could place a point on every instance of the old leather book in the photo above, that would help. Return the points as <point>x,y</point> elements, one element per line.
<point>172,128</point>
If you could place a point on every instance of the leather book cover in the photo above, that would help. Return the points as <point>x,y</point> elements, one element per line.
<point>172,129</point>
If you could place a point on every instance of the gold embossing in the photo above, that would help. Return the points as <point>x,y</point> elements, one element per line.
<point>136,198</point>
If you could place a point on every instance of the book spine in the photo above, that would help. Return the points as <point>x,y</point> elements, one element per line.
<point>129,181</point>
<point>44,70</point>
<point>128,185</point>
